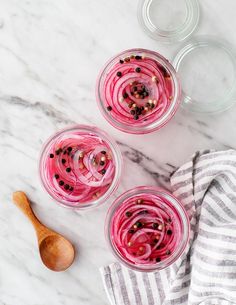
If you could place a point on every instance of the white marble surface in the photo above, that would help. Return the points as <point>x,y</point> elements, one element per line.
<point>50,55</point>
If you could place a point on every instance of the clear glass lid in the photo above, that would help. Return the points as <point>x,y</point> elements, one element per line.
<point>168,21</point>
<point>207,70</point>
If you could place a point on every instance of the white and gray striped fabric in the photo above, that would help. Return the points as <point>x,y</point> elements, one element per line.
<point>206,273</point>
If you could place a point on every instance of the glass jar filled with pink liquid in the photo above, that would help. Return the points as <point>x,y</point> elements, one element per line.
<point>147,229</point>
<point>80,166</point>
<point>138,91</point>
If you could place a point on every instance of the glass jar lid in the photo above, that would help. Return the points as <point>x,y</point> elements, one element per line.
<point>169,21</point>
<point>207,70</point>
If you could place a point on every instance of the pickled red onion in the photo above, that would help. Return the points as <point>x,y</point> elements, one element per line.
<point>82,167</point>
<point>145,229</point>
<point>137,97</point>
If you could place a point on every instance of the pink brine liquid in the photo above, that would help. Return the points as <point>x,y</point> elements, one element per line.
<point>146,229</point>
<point>138,89</point>
<point>77,166</point>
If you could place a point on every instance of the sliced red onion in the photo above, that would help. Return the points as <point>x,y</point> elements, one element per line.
<point>83,177</point>
<point>146,232</point>
<point>153,77</point>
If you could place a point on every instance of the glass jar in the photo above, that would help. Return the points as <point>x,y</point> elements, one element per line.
<point>138,91</point>
<point>206,66</point>
<point>147,229</point>
<point>80,166</point>
<point>169,21</point>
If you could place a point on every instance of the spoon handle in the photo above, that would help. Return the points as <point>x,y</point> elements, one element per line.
<point>22,202</point>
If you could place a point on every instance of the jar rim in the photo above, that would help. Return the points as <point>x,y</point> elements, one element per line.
<point>118,160</point>
<point>157,124</point>
<point>180,33</point>
<point>174,202</point>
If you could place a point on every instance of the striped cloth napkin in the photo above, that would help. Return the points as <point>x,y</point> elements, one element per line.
<point>206,272</point>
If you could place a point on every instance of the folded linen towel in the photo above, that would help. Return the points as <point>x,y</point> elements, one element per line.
<point>206,273</point>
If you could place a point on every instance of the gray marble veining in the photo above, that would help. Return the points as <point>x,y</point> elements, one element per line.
<point>50,54</point>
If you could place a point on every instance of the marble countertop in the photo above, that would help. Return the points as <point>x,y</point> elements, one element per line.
<point>50,54</point>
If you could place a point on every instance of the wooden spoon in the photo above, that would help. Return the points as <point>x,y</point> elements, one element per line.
<point>56,252</point>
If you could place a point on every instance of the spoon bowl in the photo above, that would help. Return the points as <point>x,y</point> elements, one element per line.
<point>56,252</point>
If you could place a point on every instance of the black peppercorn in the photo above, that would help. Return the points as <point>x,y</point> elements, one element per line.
<point>128,214</point>
<point>138,111</point>
<point>155,225</point>
<point>139,224</point>
<point>132,112</point>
